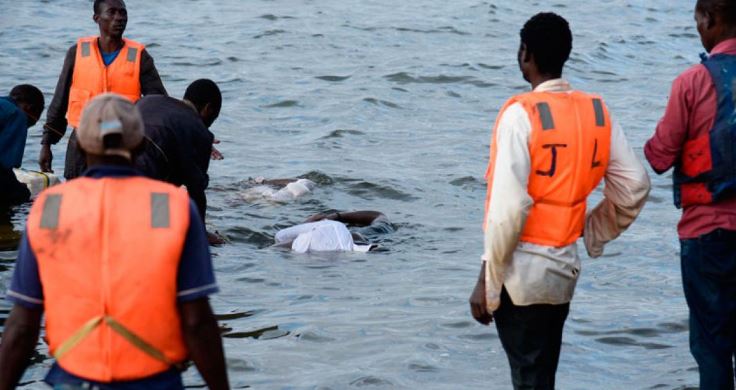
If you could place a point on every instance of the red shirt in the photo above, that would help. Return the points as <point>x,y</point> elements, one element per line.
<point>691,112</point>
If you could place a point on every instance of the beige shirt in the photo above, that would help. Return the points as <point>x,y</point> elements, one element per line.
<point>537,274</point>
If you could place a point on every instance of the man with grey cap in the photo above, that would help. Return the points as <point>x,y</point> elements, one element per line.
<point>120,266</point>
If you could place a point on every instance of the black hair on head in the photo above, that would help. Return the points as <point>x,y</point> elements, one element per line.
<point>548,37</point>
<point>26,93</point>
<point>203,92</point>
<point>96,6</point>
<point>725,9</point>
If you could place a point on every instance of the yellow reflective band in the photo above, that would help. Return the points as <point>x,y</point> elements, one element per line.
<point>77,337</point>
<point>118,328</point>
<point>138,342</point>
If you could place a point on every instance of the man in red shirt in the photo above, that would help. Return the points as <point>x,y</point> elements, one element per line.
<point>697,136</point>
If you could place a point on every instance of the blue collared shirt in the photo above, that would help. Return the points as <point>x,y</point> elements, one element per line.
<point>195,279</point>
<point>13,133</point>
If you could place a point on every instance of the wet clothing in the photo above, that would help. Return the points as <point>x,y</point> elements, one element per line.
<point>539,274</point>
<point>178,146</point>
<point>195,277</point>
<point>691,113</point>
<point>56,119</point>
<point>532,338</point>
<point>709,281</point>
<point>12,192</point>
<point>13,133</point>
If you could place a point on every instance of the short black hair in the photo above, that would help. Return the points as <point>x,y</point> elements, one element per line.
<point>725,9</point>
<point>203,92</point>
<point>26,93</point>
<point>96,6</point>
<point>548,37</point>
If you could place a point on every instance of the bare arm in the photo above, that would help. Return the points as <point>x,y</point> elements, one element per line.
<point>202,337</point>
<point>17,345</point>
<point>356,218</point>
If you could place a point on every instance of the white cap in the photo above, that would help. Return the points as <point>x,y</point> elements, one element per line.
<point>326,236</point>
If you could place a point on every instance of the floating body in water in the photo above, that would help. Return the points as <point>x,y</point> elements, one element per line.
<point>330,233</point>
<point>269,190</point>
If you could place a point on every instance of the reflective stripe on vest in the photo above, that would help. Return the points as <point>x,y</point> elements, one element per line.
<point>706,172</point>
<point>108,252</point>
<point>569,148</point>
<point>91,77</point>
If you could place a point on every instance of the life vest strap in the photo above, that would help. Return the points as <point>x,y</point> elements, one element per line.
<point>118,328</point>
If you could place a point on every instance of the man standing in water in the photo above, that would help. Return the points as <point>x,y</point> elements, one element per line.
<point>95,65</point>
<point>120,266</point>
<point>550,149</point>
<point>697,137</point>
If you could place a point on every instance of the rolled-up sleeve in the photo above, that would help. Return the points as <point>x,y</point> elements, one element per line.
<point>626,189</point>
<point>509,200</point>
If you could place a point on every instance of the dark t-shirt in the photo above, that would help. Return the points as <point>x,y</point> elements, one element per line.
<point>178,146</point>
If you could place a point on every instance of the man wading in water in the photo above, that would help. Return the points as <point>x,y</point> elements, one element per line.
<point>95,65</point>
<point>551,148</point>
<point>697,136</point>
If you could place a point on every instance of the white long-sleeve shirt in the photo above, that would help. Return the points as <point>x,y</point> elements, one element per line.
<point>538,274</point>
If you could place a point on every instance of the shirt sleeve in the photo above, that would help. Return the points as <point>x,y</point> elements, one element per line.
<point>665,146</point>
<point>151,83</point>
<point>56,122</point>
<point>626,190</point>
<point>13,134</point>
<point>509,199</point>
<point>196,277</point>
<point>25,287</point>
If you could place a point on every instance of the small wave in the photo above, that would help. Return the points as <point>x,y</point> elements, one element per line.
<point>244,235</point>
<point>202,64</point>
<point>268,333</point>
<point>466,181</point>
<point>370,191</point>
<point>269,33</point>
<point>274,18</point>
<point>370,381</point>
<point>405,78</point>
<point>333,78</point>
<point>381,102</point>
<point>439,30</point>
<point>340,133</point>
<point>322,179</point>
<point>283,104</point>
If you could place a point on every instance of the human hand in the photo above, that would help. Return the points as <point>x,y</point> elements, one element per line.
<point>215,154</point>
<point>478,306</point>
<point>45,158</point>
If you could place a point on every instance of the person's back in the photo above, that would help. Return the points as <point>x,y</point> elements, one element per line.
<point>105,256</point>
<point>697,137</point>
<point>551,147</point>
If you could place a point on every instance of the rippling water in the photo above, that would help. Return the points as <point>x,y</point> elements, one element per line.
<point>387,105</point>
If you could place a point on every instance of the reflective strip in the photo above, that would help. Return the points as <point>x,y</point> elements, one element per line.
<point>138,342</point>
<point>26,298</point>
<point>77,337</point>
<point>600,118</point>
<point>118,328</point>
<point>545,114</point>
<point>196,290</point>
<point>85,49</point>
<point>132,54</point>
<point>50,213</point>
<point>159,210</point>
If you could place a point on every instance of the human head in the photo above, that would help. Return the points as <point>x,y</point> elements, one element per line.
<point>111,130</point>
<point>30,100</point>
<point>205,95</point>
<point>546,43</point>
<point>111,16</point>
<point>716,21</point>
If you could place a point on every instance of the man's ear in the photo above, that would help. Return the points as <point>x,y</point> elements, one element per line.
<point>710,20</point>
<point>96,18</point>
<point>525,55</point>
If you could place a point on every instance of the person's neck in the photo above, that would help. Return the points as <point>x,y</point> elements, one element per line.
<point>109,44</point>
<point>538,79</point>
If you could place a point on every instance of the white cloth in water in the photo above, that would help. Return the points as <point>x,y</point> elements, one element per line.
<point>291,191</point>
<point>320,236</point>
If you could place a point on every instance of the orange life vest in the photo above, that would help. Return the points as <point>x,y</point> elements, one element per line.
<point>108,252</point>
<point>91,77</point>
<point>569,145</point>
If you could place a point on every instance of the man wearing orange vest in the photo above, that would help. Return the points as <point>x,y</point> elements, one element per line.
<point>697,137</point>
<point>120,265</point>
<point>551,147</point>
<point>95,65</point>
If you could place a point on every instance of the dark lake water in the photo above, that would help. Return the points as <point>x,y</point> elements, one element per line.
<point>388,105</point>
